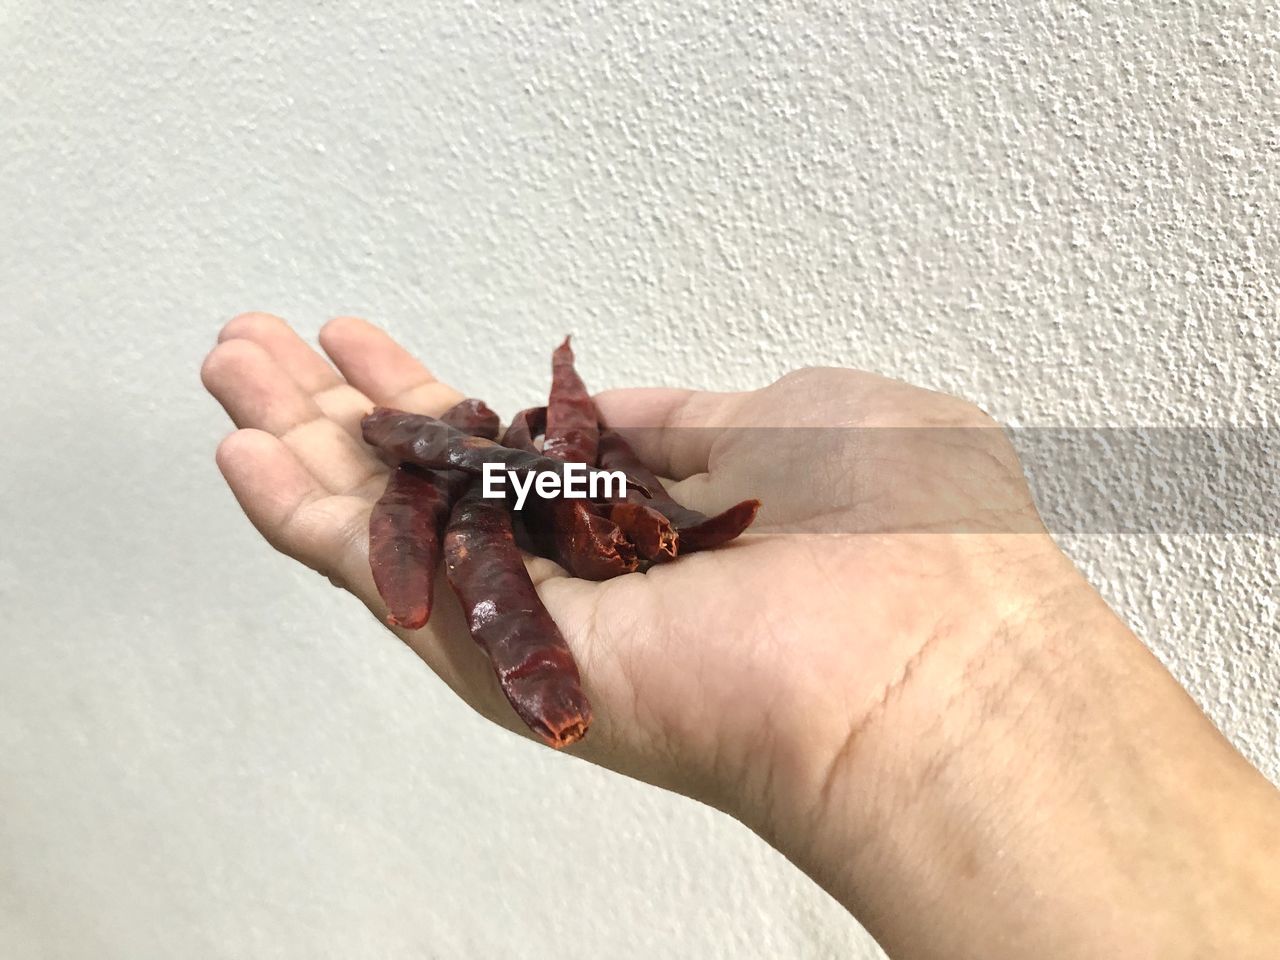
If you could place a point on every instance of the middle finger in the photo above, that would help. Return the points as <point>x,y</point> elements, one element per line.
<point>256,392</point>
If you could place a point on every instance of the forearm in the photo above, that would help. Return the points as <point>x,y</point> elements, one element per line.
<point>1049,792</point>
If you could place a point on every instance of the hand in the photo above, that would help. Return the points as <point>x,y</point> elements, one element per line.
<point>824,678</point>
<point>704,674</point>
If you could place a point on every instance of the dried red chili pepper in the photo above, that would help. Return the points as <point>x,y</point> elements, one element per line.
<point>524,426</point>
<point>573,427</point>
<point>534,665</point>
<point>433,503</point>
<point>404,543</point>
<point>713,531</point>
<point>654,536</point>
<point>474,417</point>
<point>696,530</point>
<point>573,533</point>
<point>428,442</point>
<point>407,522</point>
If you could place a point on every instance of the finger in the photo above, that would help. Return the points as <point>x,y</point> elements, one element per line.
<point>672,431</point>
<point>257,393</point>
<point>293,512</point>
<point>310,371</point>
<point>330,534</point>
<point>271,485</point>
<point>296,513</point>
<point>383,370</point>
<point>316,376</point>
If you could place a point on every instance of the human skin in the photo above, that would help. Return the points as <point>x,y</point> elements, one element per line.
<point>898,679</point>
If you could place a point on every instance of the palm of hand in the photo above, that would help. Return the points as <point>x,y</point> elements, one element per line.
<point>718,672</point>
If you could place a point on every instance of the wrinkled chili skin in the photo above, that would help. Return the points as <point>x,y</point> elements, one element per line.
<point>614,453</point>
<point>717,530</point>
<point>573,427</point>
<point>696,530</point>
<point>404,542</point>
<point>524,426</point>
<point>474,417</point>
<point>656,539</point>
<point>408,521</point>
<point>428,442</point>
<point>574,533</point>
<point>534,665</point>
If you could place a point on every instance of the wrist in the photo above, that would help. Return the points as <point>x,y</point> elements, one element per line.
<point>969,718</point>
<point>1036,781</point>
<point>863,771</point>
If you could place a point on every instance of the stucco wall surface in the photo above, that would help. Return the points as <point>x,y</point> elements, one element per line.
<point>1064,211</point>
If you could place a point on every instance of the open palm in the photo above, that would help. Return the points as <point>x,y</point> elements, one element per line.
<point>892,521</point>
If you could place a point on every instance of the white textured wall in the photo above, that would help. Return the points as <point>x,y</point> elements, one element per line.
<point>1066,211</point>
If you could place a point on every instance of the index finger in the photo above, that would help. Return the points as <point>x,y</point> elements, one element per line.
<point>382,370</point>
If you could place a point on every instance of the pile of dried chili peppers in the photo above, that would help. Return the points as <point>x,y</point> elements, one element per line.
<point>433,504</point>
